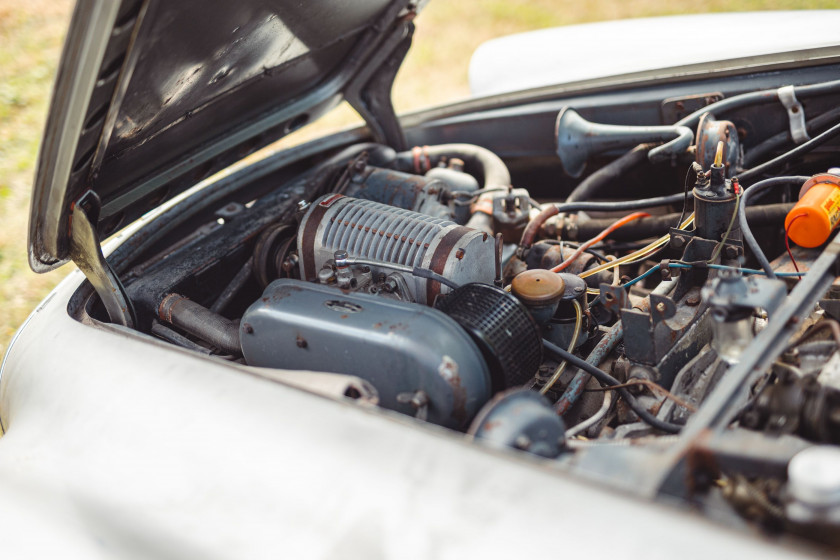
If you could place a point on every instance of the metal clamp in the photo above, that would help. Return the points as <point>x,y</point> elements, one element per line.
<point>796,114</point>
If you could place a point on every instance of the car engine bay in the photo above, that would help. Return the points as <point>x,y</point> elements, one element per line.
<point>671,295</point>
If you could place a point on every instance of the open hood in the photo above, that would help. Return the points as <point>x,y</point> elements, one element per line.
<point>152,96</point>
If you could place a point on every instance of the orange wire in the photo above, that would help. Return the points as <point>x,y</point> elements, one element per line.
<point>579,251</point>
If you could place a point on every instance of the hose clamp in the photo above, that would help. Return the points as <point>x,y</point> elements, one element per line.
<point>796,114</point>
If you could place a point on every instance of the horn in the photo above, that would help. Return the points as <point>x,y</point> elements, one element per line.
<point>577,139</point>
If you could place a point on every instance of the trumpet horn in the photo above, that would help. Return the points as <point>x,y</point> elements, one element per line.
<point>578,139</point>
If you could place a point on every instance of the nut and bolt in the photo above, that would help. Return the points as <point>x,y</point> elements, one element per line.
<point>730,252</point>
<point>693,300</point>
<point>340,257</point>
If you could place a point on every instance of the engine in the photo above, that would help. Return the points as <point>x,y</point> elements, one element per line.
<point>562,324</point>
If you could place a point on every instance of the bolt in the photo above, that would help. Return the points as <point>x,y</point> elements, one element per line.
<point>522,442</point>
<point>459,254</point>
<point>290,264</point>
<point>248,328</point>
<point>693,300</point>
<point>578,289</point>
<point>301,343</point>
<point>660,307</point>
<point>340,257</point>
<point>730,252</point>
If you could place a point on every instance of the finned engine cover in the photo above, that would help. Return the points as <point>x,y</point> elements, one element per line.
<point>420,361</point>
<point>376,231</point>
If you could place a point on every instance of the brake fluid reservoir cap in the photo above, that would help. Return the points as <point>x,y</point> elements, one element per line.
<point>538,287</point>
<point>811,221</point>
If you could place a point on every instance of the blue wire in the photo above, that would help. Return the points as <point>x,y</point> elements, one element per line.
<point>714,266</point>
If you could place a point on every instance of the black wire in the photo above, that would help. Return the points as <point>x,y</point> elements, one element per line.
<point>620,205</point>
<point>746,233</point>
<point>611,381</point>
<point>813,126</point>
<point>814,142</point>
<point>432,275</point>
<point>697,172</point>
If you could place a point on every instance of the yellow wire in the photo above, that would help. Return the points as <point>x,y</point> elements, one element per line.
<point>641,254</point>
<point>559,371</point>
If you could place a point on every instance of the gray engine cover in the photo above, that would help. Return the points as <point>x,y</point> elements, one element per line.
<point>398,347</point>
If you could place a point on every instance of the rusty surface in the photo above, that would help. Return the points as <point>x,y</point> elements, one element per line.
<point>440,256</point>
<point>310,229</point>
<point>701,465</point>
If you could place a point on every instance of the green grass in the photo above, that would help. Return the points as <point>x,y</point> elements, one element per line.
<point>31,32</point>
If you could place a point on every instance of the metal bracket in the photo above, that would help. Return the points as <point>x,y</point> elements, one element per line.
<point>736,292</point>
<point>796,114</point>
<point>86,252</point>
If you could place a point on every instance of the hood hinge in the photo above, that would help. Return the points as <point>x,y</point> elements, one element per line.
<point>370,92</point>
<point>86,252</point>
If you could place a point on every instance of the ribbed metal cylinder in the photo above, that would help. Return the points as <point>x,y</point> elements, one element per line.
<point>382,233</point>
<point>377,231</point>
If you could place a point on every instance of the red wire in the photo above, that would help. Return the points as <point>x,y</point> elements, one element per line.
<point>787,240</point>
<point>579,251</point>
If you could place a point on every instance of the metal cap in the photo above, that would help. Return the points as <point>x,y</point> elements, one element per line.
<point>814,476</point>
<point>538,287</point>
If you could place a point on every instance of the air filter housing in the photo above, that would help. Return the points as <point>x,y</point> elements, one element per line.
<point>508,336</point>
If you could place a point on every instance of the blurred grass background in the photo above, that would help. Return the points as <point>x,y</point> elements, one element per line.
<point>32,32</point>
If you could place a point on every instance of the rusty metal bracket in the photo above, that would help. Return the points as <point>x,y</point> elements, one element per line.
<point>86,252</point>
<point>796,114</point>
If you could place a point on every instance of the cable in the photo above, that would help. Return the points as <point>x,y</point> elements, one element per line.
<point>608,379</point>
<point>746,233</point>
<point>789,155</point>
<point>639,255</point>
<point>414,271</point>
<point>719,246</point>
<point>813,126</point>
<point>559,371</point>
<point>550,210</point>
<point>787,239</point>
<point>573,245</point>
<point>599,237</point>
<point>654,388</point>
<point>697,169</point>
<point>620,205</point>
<point>592,420</point>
